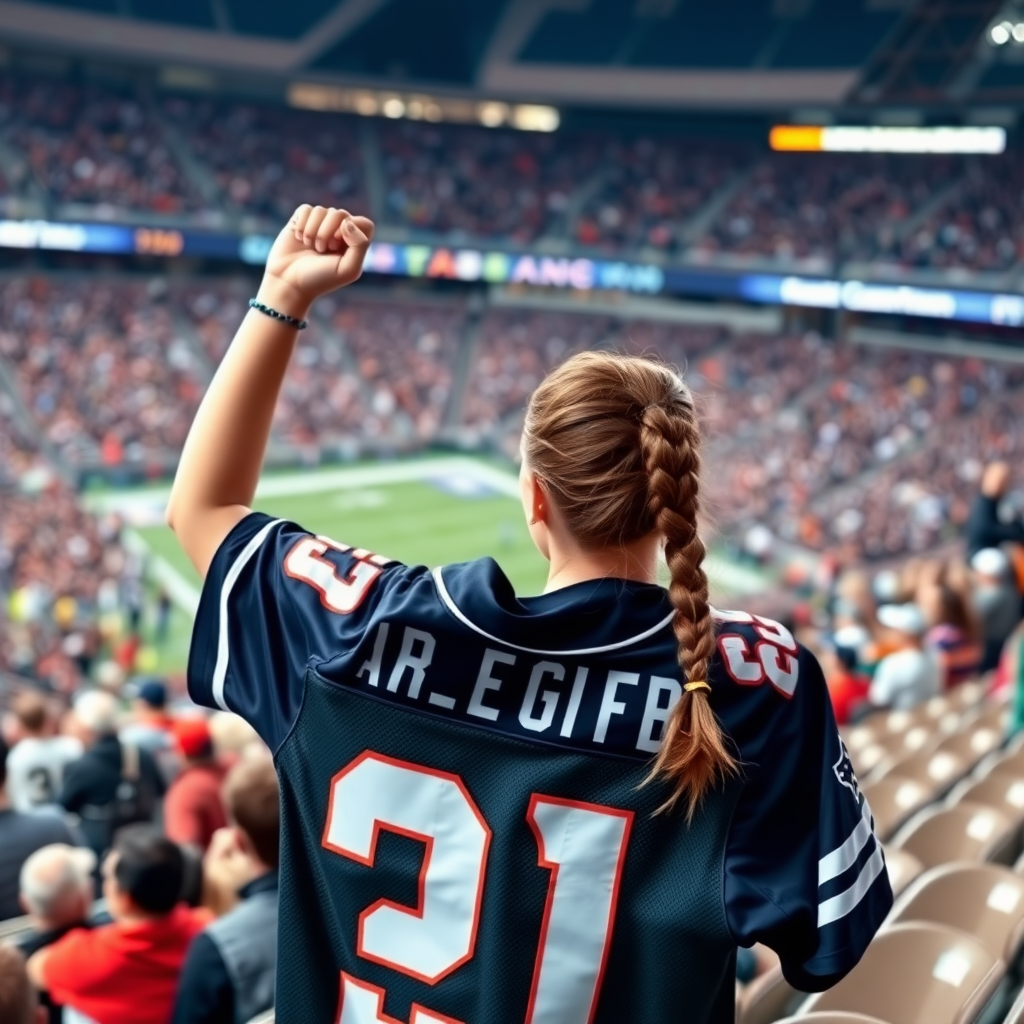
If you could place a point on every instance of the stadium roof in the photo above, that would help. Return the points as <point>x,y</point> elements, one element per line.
<point>653,53</point>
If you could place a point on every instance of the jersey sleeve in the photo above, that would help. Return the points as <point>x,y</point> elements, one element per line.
<point>277,600</point>
<point>804,872</point>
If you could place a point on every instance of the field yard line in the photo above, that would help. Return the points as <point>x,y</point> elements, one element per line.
<point>181,591</point>
<point>313,481</point>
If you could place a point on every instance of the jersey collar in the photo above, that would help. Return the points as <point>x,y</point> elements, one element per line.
<point>593,617</point>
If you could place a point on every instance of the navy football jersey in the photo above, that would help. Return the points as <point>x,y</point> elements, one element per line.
<point>468,833</point>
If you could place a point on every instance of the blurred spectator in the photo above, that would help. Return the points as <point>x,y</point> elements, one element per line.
<point>20,836</point>
<point>113,784</point>
<point>984,527</point>
<point>953,632</point>
<point>193,809</point>
<point>911,674</point>
<point>126,972</point>
<point>996,602</point>
<point>847,686</point>
<point>230,970</point>
<point>35,766</point>
<point>19,1003</point>
<point>152,728</point>
<point>233,737</point>
<point>56,891</point>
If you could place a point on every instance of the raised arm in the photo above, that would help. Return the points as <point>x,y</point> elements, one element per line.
<point>318,251</point>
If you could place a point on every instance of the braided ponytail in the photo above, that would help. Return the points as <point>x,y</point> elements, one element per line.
<point>615,440</point>
<point>693,751</point>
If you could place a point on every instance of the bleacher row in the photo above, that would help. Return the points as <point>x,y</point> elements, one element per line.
<point>947,795</point>
<point>93,150</point>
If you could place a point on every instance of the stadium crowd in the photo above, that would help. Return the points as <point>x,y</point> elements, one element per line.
<point>202,159</point>
<point>824,444</point>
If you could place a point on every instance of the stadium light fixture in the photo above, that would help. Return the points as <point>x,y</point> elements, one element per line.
<point>1005,31</point>
<point>1000,34</point>
<point>884,139</point>
<point>526,117</point>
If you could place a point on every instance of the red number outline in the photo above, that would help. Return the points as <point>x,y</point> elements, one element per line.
<point>382,826</point>
<point>552,866</point>
<point>360,579</point>
<point>415,1010</point>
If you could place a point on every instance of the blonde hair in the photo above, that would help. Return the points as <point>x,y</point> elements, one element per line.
<point>615,442</point>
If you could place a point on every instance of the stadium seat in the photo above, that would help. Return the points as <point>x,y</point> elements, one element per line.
<point>973,744</point>
<point>832,1018</point>
<point>938,770</point>
<point>893,800</point>
<point>902,868</point>
<point>917,974</point>
<point>767,998</point>
<point>967,695</point>
<point>965,832</point>
<point>1006,764</point>
<point>889,745</point>
<point>983,900</point>
<point>1004,792</point>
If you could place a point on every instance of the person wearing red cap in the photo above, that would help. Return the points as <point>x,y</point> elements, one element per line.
<point>193,808</point>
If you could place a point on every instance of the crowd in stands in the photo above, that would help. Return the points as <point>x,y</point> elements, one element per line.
<point>202,158</point>
<point>99,365</point>
<point>171,817</point>
<point>488,184</point>
<point>824,444</point>
<point>92,145</point>
<point>898,638</point>
<point>266,160</point>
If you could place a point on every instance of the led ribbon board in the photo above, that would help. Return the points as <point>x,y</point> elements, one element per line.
<point>789,138</point>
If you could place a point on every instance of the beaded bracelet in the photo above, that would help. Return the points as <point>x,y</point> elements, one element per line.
<point>273,313</point>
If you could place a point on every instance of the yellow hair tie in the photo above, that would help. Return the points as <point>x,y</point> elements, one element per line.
<point>697,684</point>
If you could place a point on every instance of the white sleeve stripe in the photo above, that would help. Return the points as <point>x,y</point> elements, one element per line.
<point>843,903</point>
<point>844,857</point>
<point>220,670</point>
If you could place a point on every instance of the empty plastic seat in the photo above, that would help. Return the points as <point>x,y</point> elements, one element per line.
<point>917,974</point>
<point>893,800</point>
<point>983,900</point>
<point>901,867</point>
<point>936,769</point>
<point>863,734</point>
<point>972,745</point>
<point>767,998</point>
<point>1004,792</point>
<point>995,716</point>
<point>832,1018</point>
<point>967,695</point>
<point>1008,764</point>
<point>964,832</point>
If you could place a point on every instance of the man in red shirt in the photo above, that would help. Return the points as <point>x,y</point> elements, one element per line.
<point>847,687</point>
<point>194,807</point>
<point>127,972</point>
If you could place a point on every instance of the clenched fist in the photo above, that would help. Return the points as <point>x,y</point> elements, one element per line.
<point>319,249</point>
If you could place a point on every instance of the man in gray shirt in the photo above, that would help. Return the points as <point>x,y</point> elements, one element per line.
<point>20,836</point>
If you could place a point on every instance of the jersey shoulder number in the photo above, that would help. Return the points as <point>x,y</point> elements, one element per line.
<point>756,650</point>
<point>342,583</point>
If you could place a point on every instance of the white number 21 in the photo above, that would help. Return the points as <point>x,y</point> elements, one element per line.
<point>583,845</point>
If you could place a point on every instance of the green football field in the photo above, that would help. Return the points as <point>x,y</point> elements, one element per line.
<point>425,511</point>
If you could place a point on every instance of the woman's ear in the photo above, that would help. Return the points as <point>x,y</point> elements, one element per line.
<point>540,507</point>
